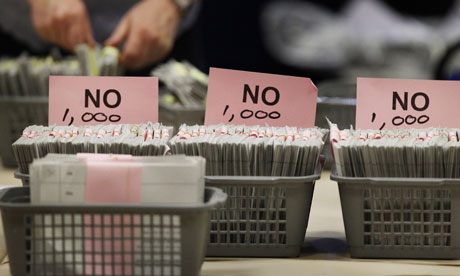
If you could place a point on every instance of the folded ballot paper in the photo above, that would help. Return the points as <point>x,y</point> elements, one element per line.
<point>112,244</point>
<point>252,150</point>
<point>187,86</point>
<point>135,139</point>
<point>429,153</point>
<point>98,61</point>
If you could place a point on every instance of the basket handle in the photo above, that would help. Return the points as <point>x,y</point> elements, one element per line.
<point>218,198</point>
<point>5,189</point>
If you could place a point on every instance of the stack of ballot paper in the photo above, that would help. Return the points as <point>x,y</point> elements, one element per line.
<point>252,150</point>
<point>431,152</point>
<point>97,61</point>
<point>107,178</point>
<point>128,244</point>
<point>135,139</point>
<point>187,85</point>
<point>28,76</point>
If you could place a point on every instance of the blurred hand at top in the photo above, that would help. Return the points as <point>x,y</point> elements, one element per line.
<point>62,22</point>
<point>147,30</point>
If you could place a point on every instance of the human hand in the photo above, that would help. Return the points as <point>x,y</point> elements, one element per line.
<point>62,22</point>
<point>148,30</point>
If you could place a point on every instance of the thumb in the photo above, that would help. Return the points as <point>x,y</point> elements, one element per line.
<point>119,34</point>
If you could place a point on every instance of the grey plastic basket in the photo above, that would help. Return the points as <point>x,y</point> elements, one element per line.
<point>176,115</point>
<point>263,216</point>
<point>66,239</point>
<point>16,113</point>
<point>415,218</point>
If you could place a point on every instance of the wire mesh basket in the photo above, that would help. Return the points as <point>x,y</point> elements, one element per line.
<point>16,113</point>
<point>263,216</point>
<point>413,218</point>
<point>105,239</point>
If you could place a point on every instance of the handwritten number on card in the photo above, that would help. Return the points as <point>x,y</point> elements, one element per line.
<point>270,96</point>
<point>419,102</point>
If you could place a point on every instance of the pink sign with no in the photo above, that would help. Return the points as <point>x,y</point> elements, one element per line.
<point>83,100</point>
<point>239,97</point>
<point>406,103</point>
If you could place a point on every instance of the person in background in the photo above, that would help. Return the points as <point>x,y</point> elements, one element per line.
<point>144,30</point>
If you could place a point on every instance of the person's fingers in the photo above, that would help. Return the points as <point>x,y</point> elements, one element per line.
<point>78,32</point>
<point>133,50</point>
<point>120,33</point>
<point>154,54</point>
<point>75,36</point>
<point>44,33</point>
<point>59,24</point>
<point>62,33</point>
<point>88,33</point>
<point>52,35</point>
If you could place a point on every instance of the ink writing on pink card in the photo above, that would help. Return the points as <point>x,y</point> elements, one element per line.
<point>239,97</point>
<point>88,100</point>
<point>406,103</point>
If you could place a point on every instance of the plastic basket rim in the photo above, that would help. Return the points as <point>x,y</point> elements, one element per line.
<point>393,181</point>
<point>20,175</point>
<point>218,197</point>
<point>253,179</point>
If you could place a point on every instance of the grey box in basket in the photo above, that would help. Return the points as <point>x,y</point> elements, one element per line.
<point>16,113</point>
<point>168,240</point>
<point>263,216</point>
<point>415,218</point>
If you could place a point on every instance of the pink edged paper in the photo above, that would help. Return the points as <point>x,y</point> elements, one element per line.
<point>113,182</point>
<point>75,100</point>
<point>239,97</point>
<point>84,157</point>
<point>407,103</point>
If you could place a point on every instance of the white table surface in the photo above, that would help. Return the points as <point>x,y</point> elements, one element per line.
<point>324,252</point>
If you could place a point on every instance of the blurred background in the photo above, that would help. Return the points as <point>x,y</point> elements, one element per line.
<point>331,41</point>
<point>320,39</point>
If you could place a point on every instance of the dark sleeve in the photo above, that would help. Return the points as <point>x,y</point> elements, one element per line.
<point>333,5</point>
<point>422,8</point>
<point>418,8</point>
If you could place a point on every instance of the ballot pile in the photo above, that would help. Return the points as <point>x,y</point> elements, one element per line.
<point>135,139</point>
<point>251,150</point>
<point>428,153</point>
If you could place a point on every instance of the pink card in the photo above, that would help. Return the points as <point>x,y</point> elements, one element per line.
<point>113,182</point>
<point>239,97</point>
<point>83,100</point>
<point>404,103</point>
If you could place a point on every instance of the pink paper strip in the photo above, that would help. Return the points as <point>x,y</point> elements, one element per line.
<point>111,182</point>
